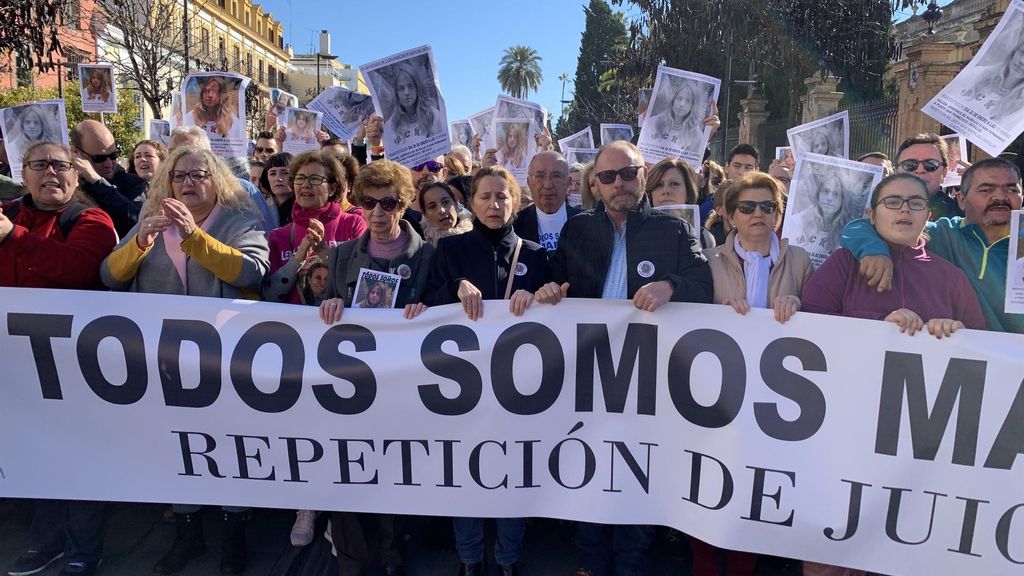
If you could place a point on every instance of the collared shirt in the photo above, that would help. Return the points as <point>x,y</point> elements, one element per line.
<point>615,281</point>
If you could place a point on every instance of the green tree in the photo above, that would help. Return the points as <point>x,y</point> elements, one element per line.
<point>28,29</point>
<point>599,94</point>
<point>519,71</point>
<point>124,125</point>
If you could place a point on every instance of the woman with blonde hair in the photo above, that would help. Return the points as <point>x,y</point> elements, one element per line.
<point>97,86</point>
<point>512,153</point>
<point>215,110</point>
<point>198,235</point>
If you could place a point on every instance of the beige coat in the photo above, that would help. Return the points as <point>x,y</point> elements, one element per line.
<point>787,277</point>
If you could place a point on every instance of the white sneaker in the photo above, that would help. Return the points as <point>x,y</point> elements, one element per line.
<point>302,530</point>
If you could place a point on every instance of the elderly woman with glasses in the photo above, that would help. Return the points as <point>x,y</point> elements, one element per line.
<point>199,235</point>
<point>319,221</point>
<point>383,189</point>
<point>753,268</point>
<point>48,239</point>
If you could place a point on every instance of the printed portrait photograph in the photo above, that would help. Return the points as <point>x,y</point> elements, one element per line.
<point>827,140</point>
<point>676,116</point>
<point>24,125</point>
<point>409,98</point>
<point>513,140</point>
<point>462,134</point>
<point>212,103</point>
<point>97,85</point>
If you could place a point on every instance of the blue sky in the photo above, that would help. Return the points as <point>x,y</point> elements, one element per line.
<point>468,38</point>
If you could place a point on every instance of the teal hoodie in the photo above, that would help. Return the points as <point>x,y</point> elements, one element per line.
<point>964,245</point>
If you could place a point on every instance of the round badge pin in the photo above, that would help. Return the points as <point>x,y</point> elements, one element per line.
<point>521,269</point>
<point>645,269</point>
<point>404,271</point>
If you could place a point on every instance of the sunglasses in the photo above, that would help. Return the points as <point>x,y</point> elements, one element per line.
<point>387,204</point>
<point>261,149</point>
<point>930,165</point>
<point>915,203</point>
<point>748,206</point>
<point>101,158</point>
<point>628,174</point>
<point>432,165</point>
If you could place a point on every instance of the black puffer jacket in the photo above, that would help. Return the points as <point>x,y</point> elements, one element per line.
<point>473,256</point>
<point>659,246</point>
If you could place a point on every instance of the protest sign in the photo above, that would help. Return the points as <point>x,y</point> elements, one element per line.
<point>826,194</point>
<point>215,102</point>
<point>26,124</point>
<point>898,455</point>
<point>99,91</point>
<point>582,139</point>
<point>829,136</point>
<point>674,125</point>
<point>406,90</point>
<point>985,102</point>
<point>344,111</point>
<point>612,132</point>
<point>300,129</point>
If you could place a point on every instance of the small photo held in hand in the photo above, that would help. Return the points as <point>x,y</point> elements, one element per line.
<point>375,289</point>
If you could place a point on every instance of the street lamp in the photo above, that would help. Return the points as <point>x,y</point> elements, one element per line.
<point>327,57</point>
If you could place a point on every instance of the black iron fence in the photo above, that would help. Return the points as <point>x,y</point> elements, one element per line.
<point>872,129</point>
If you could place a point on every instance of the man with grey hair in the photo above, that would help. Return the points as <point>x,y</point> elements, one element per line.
<point>658,261</point>
<point>463,155</point>
<point>195,136</point>
<point>548,180</point>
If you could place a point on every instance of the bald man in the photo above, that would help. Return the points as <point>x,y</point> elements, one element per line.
<point>117,192</point>
<point>542,221</point>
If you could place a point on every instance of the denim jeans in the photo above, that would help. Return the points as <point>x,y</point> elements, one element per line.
<point>76,527</point>
<point>469,539</point>
<point>623,546</point>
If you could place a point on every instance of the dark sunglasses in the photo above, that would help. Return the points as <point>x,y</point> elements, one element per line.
<point>101,158</point>
<point>387,204</point>
<point>929,165</point>
<point>628,174</point>
<point>433,165</point>
<point>261,149</point>
<point>748,206</point>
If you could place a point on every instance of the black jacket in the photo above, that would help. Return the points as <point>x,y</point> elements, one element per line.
<point>472,256</point>
<point>121,198</point>
<point>653,239</point>
<point>526,222</point>
<point>345,260</point>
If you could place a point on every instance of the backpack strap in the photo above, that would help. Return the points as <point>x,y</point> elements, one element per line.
<point>66,220</point>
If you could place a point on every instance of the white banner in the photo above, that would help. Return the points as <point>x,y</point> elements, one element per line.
<point>831,439</point>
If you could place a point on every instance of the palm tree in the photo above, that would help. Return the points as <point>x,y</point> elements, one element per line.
<point>519,71</point>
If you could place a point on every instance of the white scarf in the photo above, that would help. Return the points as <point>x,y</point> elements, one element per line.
<point>756,270</point>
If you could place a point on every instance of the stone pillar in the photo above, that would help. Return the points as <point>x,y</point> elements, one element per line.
<point>822,98</point>
<point>927,68</point>
<point>753,114</point>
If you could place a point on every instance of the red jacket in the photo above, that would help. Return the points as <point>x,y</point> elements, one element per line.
<point>35,253</point>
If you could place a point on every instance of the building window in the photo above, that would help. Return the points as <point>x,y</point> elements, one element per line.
<point>205,41</point>
<point>221,53</point>
<point>247,18</point>
<point>260,77</point>
<point>72,59</point>
<point>234,9</point>
<point>272,75</point>
<point>248,64</point>
<point>220,3</point>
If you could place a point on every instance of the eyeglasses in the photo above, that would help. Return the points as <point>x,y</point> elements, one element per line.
<point>628,174</point>
<point>748,206</point>
<point>261,149</point>
<point>433,165</point>
<point>314,180</point>
<point>930,165</point>
<point>387,204</point>
<point>196,176</point>
<point>101,158</point>
<point>915,203</point>
<point>42,165</point>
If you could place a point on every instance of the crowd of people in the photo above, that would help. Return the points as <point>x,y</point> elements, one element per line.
<point>460,230</point>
